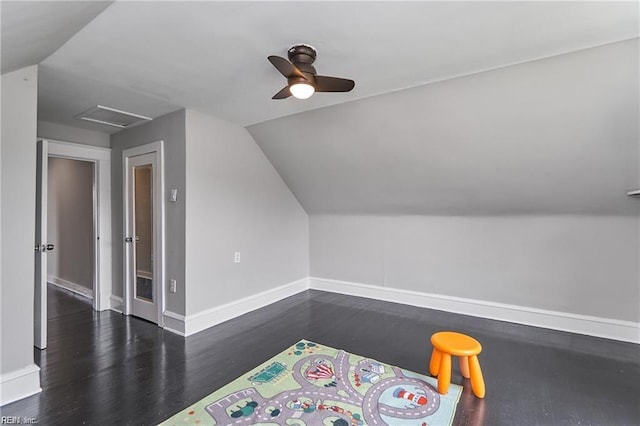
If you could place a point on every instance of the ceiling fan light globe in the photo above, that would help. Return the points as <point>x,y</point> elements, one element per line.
<point>302,90</point>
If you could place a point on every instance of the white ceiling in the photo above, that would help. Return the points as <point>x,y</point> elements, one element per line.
<point>154,57</point>
<point>31,31</point>
<point>555,136</point>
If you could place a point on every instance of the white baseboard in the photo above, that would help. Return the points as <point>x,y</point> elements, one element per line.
<point>174,323</point>
<point>582,324</point>
<point>71,286</point>
<point>19,384</point>
<point>117,304</point>
<point>608,328</point>
<point>191,324</point>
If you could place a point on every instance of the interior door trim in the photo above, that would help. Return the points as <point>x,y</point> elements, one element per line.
<point>101,157</point>
<point>156,148</point>
<point>102,268</point>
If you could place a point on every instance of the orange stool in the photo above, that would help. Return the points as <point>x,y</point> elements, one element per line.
<point>447,343</point>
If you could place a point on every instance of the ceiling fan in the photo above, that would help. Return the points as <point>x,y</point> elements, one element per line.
<point>302,81</point>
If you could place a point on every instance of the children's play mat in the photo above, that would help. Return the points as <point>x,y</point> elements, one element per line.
<point>315,385</point>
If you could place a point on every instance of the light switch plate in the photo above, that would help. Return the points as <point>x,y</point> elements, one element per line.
<point>173,197</point>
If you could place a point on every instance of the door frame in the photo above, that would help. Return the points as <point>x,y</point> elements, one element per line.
<point>102,261</point>
<point>156,148</point>
<point>101,158</point>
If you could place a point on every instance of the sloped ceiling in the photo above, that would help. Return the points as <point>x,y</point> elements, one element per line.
<point>555,136</point>
<point>33,30</point>
<point>154,57</point>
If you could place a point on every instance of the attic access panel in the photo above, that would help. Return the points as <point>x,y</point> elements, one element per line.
<point>112,117</point>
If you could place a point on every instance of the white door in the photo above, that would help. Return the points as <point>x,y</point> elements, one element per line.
<point>41,247</point>
<point>141,237</point>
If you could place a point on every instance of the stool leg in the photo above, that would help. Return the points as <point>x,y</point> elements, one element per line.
<point>477,382</point>
<point>444,375</point>
<point>434,364</point>
<point>464,367</point>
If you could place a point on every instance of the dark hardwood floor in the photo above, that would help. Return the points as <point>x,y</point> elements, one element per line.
<point>105,368</point>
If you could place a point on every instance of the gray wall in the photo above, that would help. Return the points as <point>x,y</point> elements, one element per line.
<point>171,129</point>
<point>237,202</point>
<point>507,186</point>
<point>18,156</point>
<point>61,132</point>
<point>581,264</point>
<point>70,221</point>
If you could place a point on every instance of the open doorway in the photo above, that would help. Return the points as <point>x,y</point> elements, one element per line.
<point>73,246</point>
<point>70,225</point>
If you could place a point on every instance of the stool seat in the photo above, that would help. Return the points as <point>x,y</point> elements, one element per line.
<point>447,344</point>
<point>457,344</point>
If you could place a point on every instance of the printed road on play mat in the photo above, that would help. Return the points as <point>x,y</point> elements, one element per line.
<point>310,384</point>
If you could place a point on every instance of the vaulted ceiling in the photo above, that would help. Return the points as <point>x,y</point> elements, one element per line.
<point>555,136</point>
<point>532,136</point>
<point>154,57</point>
<point>31,31</point>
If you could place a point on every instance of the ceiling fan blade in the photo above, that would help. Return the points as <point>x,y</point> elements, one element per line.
<point>333,84</point>
<point>283,94</point>
<point>285,67</point>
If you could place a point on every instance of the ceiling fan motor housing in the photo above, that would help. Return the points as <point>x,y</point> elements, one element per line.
<point>301,55</point>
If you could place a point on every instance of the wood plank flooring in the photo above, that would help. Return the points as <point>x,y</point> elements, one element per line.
<point>106,368</point>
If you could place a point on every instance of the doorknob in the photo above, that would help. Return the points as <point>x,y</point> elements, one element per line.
<point>137,238</point>
<point>50,247</point>
<point>128,240</point>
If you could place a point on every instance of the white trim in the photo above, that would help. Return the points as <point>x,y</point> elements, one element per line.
<point>208,318</point>
<point>574,323</point>
<point>101,157</point>
<point>608,328</point>
<point>79,151</point>
<point>71,286</point>
<point>156,148</point>
<point>117,304</point>
<point>19,384</point>
<point>174,323</point>
<point>142,149</point>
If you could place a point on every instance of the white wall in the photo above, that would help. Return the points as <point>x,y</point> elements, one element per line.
<point>70,221</point>
<point>61,132</point>
<point>237,202</point>
<point>19,375</point>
